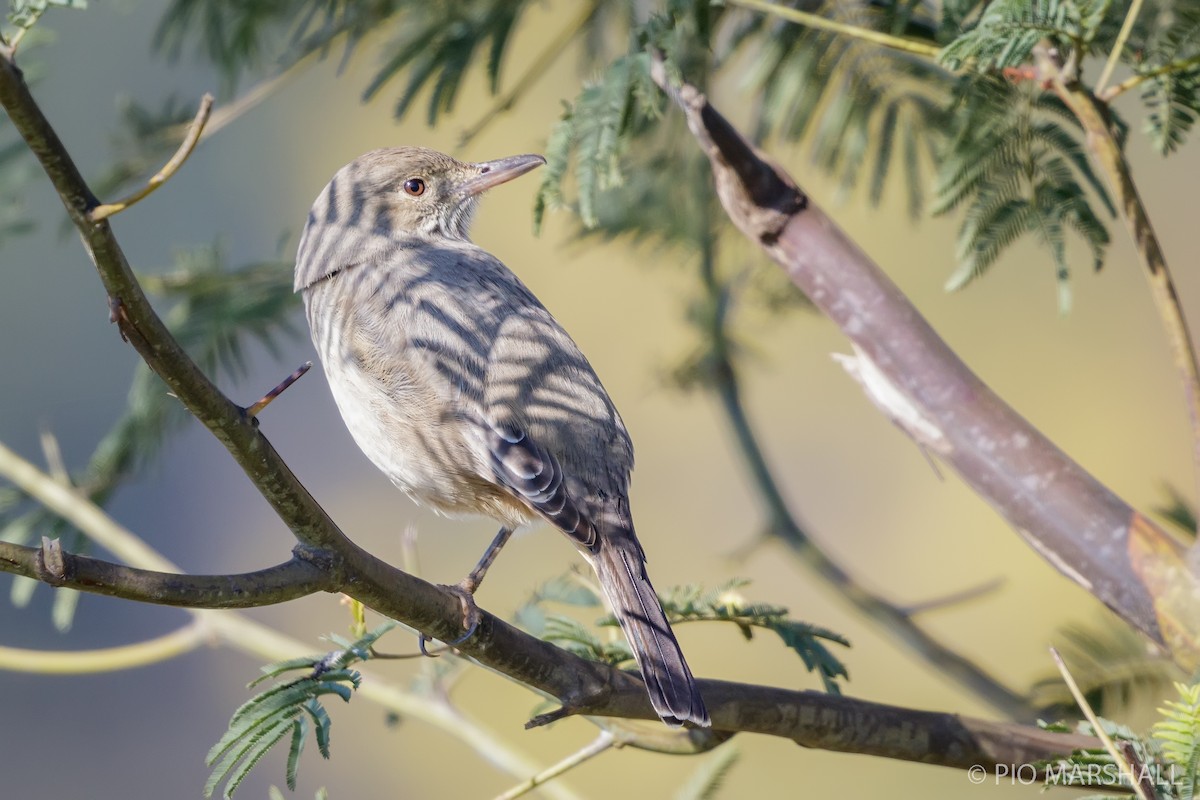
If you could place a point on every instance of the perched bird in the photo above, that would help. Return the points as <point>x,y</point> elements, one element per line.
<point>463,389</point>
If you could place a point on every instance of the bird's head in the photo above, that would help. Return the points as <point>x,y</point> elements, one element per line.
<point>394,193</point>
<point>424,191</point>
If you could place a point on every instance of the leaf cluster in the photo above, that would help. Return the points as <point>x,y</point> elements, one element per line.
<point>1113,667</point>
<point>1166,764</point>
<point>1015,162</point>
<point>288,710</point>
<point>682,604</point>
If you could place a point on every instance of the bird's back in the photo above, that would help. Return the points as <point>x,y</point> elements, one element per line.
<point>443,327</point>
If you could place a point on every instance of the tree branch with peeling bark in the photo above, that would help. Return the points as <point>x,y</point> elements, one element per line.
<point>1072,520</point>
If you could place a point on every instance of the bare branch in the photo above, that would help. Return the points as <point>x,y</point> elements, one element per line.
<point>1133,777</point>
<point>1137,80</point>
<point>1072,520</point>
<point>49,564</point>
<point>1114,57</point>
<point>257,408</point>
<point>109,659</point>
<point>1107,153</point>
<point>852,31</point>
<point>597,746</point>
<point>170,168</point>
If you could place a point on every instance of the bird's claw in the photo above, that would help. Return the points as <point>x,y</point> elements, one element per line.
<point>471,618</point>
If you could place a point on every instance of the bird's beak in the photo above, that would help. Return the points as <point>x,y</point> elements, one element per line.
<point>494,173</point>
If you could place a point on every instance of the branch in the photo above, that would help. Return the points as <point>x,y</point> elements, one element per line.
<point>1108,154</point>
<point>109,659</point>
<point>1137,80</point>
<point>1122,37</point>
<point>1073,521</point>
<point>169,169</point>
<point>597,746</point>
<point>853,31</point>
<point>49,564</point>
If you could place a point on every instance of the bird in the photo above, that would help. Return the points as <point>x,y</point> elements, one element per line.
<point>462,388</point>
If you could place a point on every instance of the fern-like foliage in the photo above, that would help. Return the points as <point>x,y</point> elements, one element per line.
<point>437,43</point>
<point>1167,765</point>
<point>1015,161</point>
<point>592,134</point>
<point>1179,733</point>
<point>1096,768</point>
<point>1008,30</point>
<point>434,47</point>
<point>862,108</point>
<point>24,14</point>
<point>1171,64</point>
<point>217,313</point>
<point>1178,510</point>
<point>287,710</point>
<point>682,604</point>
<point>1113,668</point>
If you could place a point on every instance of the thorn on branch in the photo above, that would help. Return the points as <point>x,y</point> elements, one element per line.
<point>257,408</point>
<point>550,716</point>
<point>117,315</point>
<point>186,147</point>
<point>52,564</point>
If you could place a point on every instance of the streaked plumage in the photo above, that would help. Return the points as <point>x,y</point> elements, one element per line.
<point>461,387</point>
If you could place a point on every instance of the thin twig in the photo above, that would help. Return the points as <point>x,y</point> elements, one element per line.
<point>953,598</point>
<point>853,31</point>
<point>1097,728</point>
<point>1107,153</point>
<point>257,408</point>
<point>54,459</point>
<point>1114,57</point>
<point>109,659</point>
<point>536,70</point>
<point>170,168</point>
<point>1109,94</point>
<point>600,744</point>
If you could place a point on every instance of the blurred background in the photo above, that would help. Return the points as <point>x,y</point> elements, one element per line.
<point>1097,381</point>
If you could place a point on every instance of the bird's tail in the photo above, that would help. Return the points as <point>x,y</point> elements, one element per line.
<point>620,566</point>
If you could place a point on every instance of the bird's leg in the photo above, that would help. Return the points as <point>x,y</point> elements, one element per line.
<point>465,589</point>
<point>475,577</point>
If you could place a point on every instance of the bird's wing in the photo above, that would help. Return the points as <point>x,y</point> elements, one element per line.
<point>534,475</point>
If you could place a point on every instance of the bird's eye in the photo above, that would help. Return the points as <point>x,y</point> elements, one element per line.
<point>414,187</point>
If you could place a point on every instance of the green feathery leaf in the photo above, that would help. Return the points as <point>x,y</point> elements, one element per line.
<point>287,708</point>
<point>1008,30</point>
<point>1179,733</point>
<point>1019,169</point>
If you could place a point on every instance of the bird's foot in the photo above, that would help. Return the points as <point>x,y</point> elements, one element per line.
<point>464,591</point>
